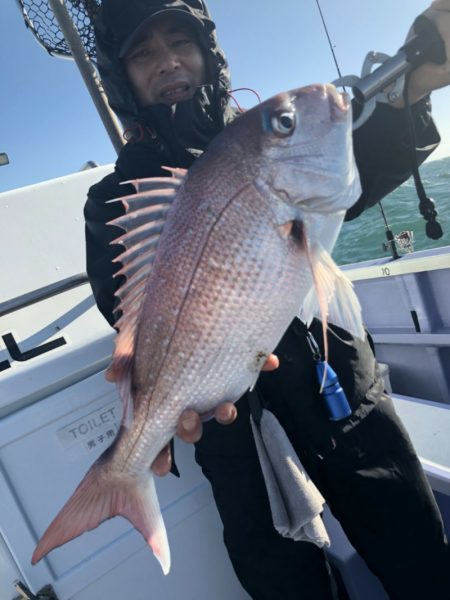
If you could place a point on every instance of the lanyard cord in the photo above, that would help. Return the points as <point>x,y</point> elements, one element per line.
<point>427,206</point>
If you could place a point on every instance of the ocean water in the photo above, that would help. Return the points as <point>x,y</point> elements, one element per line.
<point>363,238</point>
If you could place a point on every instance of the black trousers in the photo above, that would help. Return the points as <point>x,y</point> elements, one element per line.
<point>374,485</point>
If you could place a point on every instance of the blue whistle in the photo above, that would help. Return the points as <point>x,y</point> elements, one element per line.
<point>333,394</point>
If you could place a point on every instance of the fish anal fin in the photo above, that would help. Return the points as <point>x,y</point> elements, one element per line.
<point>103,495</point>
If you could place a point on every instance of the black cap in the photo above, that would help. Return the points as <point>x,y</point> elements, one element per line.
<point>128,19</point>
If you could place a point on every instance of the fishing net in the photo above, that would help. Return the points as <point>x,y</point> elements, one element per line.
<point>40,19</point>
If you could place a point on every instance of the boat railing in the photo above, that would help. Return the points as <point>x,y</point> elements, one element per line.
<point>42,293</point>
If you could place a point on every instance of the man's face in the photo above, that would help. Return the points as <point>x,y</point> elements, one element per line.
<point>166,64</point>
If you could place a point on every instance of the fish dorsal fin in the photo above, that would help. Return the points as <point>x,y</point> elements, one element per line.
<point>143,222</point>
<point>332,297</point>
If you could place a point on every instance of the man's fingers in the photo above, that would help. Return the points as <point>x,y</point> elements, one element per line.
<point>110,374</point>
<point>163,462</point>
<point>441,5</point>
<point>225,413</point>
<point>430,76</point>
<point>189,427</point>
<point>272,363</point>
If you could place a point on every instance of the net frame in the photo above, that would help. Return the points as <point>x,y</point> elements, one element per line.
<point>65,29</point>
<point>41,21</point>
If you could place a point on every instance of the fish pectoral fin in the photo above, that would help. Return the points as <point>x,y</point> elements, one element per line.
<point>332,297</point>
<point>292,230</point>
<point>143,222</point>
<point>100,496</point>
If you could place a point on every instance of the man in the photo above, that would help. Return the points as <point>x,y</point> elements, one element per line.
<point>168,81</point>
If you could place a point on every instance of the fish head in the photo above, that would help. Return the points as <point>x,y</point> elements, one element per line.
<point>304,147</point>
<point>296,148</point>
<point>296,145</point>
<point>307,149</point>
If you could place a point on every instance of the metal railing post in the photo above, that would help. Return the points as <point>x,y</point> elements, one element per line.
<point>88,72</point>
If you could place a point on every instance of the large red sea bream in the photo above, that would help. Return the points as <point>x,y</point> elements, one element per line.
<point>218,261</point>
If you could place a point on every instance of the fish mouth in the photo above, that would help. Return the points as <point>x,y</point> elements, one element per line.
<point>325,98</point>
<point>176,92</point>
<point>339,103</point>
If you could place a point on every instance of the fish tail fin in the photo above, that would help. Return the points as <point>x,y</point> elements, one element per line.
<point>332,297</point>
<point>101,495</point>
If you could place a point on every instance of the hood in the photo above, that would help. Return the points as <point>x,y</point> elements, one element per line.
<point>110,37</point>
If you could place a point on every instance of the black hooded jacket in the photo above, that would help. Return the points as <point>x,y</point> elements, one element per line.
<point>160,136</point>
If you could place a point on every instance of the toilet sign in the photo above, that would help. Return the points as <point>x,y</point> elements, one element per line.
<point>92,431</point>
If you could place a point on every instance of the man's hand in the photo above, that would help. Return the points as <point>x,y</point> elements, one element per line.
<point>430,76</point>
<point>190,425</point>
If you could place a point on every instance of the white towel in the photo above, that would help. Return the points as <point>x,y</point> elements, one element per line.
<point>295,502</point>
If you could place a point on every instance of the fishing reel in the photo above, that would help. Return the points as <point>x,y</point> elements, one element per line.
<point>386,83</point>
<point>404,242</point>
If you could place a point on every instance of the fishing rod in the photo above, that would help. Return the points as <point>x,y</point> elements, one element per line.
<point>426,45</point>
<point>328,38</point>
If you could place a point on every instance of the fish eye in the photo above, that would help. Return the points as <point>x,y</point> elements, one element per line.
<point>283,123</point>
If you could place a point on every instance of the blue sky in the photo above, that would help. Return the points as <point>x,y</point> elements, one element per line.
<point>49,126</point>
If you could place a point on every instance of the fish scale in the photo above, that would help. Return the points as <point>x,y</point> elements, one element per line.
<point>217,262</point>
<point>215,375</point>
